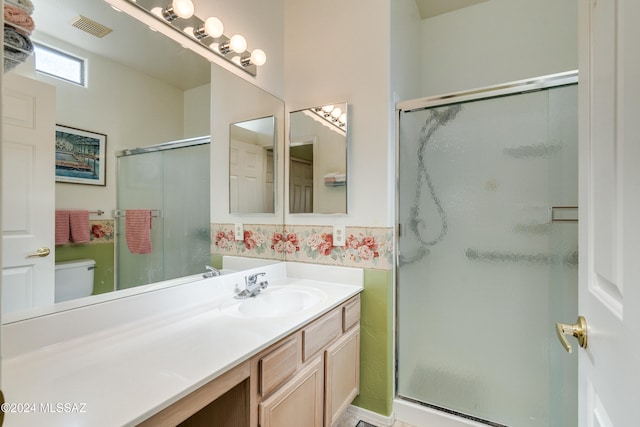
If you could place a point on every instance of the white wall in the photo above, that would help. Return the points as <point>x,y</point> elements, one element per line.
<point>262,24</point>
<point>197,111</point>
<point>338,51</point>
<point>498,41</point>
<point>405,49</point>
<point>137,111</point>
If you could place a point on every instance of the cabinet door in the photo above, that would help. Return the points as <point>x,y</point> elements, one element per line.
<point>342,372</point>
<point>298,402</point>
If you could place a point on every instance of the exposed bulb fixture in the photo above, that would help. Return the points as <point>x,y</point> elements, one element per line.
<point>327,110</point>
<point>178,9</point>
<point>236,43</point>
<point>334,115</point>
<point>199,34</point>
<point>212,27</point>
<point>258,57</point>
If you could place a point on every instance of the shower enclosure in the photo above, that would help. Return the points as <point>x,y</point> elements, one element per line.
<point>487,253</point>
<point>171,181</point>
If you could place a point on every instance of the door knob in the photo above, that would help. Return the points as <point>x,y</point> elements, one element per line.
<point>578,330</point>
<point>40,252</point>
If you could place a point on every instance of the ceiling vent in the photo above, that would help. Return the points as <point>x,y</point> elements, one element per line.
<point>90,26</point>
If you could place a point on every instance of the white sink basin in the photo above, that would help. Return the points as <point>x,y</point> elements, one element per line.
<point>275,302</point>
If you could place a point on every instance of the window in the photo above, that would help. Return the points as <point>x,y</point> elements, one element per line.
<point>55,63</point>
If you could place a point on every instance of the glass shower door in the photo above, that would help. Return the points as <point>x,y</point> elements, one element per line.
<point>482,274</point>
<point>174,185</point>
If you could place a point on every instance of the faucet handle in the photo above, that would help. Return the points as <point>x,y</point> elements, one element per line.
<point>211,271</point>
<point>253,278</point>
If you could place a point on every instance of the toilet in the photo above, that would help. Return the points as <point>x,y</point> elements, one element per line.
<point>74,279</point>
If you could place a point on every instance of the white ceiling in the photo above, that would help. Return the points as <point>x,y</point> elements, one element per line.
<point>429,8</point>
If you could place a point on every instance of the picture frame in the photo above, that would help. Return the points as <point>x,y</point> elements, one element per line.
<point>80,156</point>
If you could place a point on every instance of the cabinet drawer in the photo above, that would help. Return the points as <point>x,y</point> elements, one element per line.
<point>351,314</point>
<point>320,333</point>
<point>277,366</point>
<point>297,403</point>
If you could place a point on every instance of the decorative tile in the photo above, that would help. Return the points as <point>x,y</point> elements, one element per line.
<point>102,231</point>
<point>259,241</point>
<point>366,247</point>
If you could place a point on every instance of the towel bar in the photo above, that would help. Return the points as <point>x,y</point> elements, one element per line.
<point>120,213</point>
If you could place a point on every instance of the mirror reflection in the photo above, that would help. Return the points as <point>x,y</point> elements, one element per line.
<point>318,160</point>
<point>252,166</point>
<point>136,98</point>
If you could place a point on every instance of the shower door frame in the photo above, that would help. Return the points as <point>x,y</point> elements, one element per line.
<point>484,93</point>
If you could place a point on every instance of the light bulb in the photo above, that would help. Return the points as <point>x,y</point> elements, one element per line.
<point>336,112</point>
<point>343,118</point>
<point>213,27</point>
<point>237,43</point>
<point>327,108</point>
<point>258,57</point>
<point>183,8</point>
<point>157,11</point>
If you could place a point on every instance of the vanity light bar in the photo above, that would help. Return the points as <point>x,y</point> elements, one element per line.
<point>207,34</point>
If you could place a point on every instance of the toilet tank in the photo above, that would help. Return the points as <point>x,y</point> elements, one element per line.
<point>74,279</point>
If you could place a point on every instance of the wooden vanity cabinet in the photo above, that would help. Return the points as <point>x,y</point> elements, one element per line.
<point>311,377</point>
<point>307,379</point>
<point>298,402</point>
<point>342,375</point>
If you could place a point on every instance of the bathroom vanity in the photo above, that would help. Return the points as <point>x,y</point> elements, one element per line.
<point>307,378</point>
<point>193,355</point>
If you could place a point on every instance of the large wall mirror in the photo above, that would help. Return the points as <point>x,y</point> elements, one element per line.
<point>318,160</point>
<point>138,97</point>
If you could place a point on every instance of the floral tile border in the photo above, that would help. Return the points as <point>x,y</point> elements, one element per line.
<point>100,231</point>
<point>366,247</point>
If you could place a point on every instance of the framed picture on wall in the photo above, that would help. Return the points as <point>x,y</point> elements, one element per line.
<point>80,156</point>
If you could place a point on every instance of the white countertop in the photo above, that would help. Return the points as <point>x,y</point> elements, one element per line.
<point>122,374</point>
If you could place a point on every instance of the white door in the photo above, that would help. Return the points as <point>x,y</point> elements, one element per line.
<point>28,191</point>
<point>610,212</point>
<point>300,186</point>
<point>246,177</point>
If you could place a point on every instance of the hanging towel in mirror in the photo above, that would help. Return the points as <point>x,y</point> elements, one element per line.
<point>138,230</point>
<point>79,225</point>
<point>62,227</point>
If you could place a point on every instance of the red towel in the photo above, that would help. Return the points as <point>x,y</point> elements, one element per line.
<point>79,224</point>
<point>138,230</point>
<point>62,227</point>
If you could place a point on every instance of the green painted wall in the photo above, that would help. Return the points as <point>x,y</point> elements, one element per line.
<point>102,253</point>
<point>376,343</point>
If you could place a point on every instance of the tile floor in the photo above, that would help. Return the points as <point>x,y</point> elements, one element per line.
<point>348,420</point>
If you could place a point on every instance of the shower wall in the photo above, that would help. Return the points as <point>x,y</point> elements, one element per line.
<point>482,275</point>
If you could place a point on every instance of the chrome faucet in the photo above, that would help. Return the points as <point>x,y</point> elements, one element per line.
<point>212,271</point>
<point>251,286</point>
